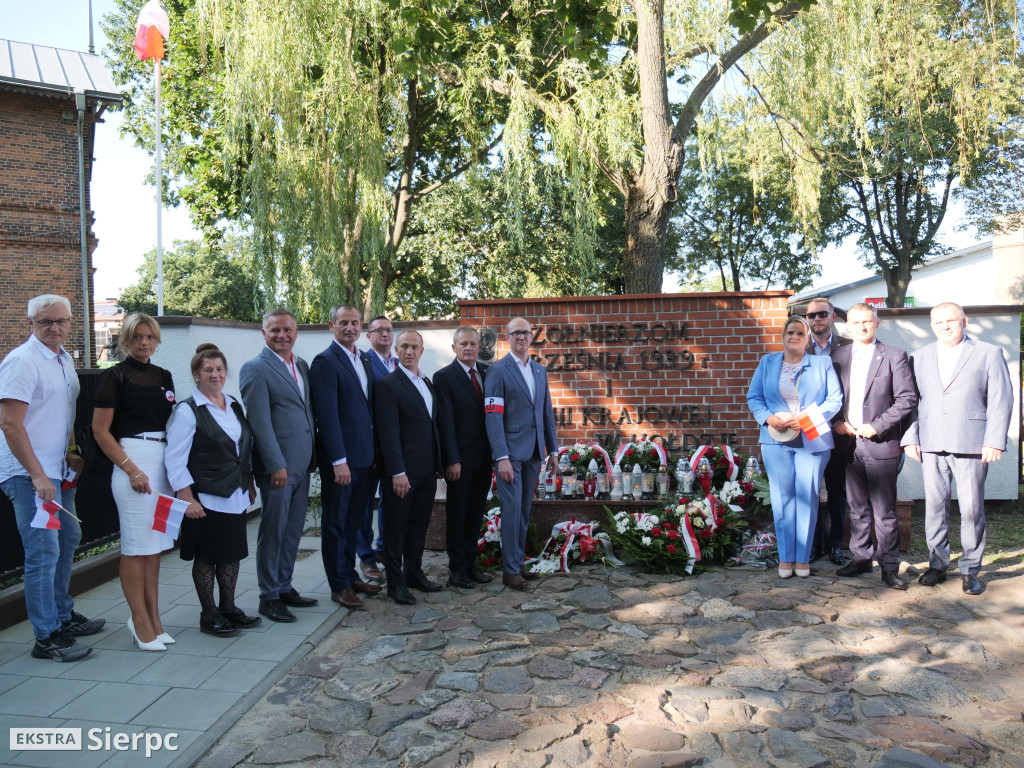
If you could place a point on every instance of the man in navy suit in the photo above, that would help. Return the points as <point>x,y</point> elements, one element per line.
<point>342,385</point>
<point>466,455</point>
<point>879,392</point>
<point>521,430</point>
<point>959,429</point>
<point>381,334</point>
<point>405,408</point>
<point>275,391</point>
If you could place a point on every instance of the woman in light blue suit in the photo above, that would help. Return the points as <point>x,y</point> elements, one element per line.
<point>784,385</point>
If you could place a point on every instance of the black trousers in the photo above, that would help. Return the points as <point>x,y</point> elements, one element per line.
<point>871,486</point>
<point>405,535</point>
<point>830,531</point>
<point>467,498</point>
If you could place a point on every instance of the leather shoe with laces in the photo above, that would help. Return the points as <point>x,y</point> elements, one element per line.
<point>932,576</point>
<point>528,575</point>
<point>293,599</point>
<point>218,626</point>
<point>514,581</point>
<point>371,571</point>
<point>238,618</point>
<point>346,598</point>
<point>892,579</point>
<point>459,579</point>
<point>275,610</point>
<point>836,556</point>
<point>422,583</point>
<point>972,585</point>
<point>854,568</point>
<point>366,588</point>
<point>402,596</point>
<point>475,574</point>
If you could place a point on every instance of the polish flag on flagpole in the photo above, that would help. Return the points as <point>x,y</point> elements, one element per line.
<point>152,28</point>
<point>813,422</point>
<point>46,515</point>
<point>168,514</point>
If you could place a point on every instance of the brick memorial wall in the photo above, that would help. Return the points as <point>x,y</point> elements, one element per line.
<point>674,366</point>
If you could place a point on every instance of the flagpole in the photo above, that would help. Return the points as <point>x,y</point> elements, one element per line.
<point>159,201</point>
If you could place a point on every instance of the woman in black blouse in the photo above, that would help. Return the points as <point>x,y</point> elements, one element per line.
<point>133,403</point>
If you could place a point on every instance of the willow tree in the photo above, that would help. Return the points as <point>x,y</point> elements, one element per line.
<point>896,101</point>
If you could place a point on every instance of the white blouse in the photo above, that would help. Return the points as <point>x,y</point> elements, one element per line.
<point>181,431</point>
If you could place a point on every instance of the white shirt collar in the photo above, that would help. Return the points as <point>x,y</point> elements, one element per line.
<point>201,399</point>
<point>289,364</point>
<point>412,376</point>
<point>465,367</point>
<point>45,350</point>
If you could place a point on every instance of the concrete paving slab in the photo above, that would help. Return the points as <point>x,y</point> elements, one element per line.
<point>28,666</point>
<point>9,756</point>
<point>112,702</point>
<point>85,758</point>
<point>109,665</point>
<point>191,642</point>
<point>192,710</point>
<point>181,739</point>
<point>238,675</point>
<point>176,671</point>
<point>9,681</point>
<point>19,633</point>
<point>11,651</point>
<point>42,697</point>
<point>263,646</point>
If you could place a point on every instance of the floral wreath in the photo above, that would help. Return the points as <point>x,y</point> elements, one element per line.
<point>589,450</point>
<point>644,446</point>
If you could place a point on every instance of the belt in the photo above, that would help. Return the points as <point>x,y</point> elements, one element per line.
<point>145,437</point>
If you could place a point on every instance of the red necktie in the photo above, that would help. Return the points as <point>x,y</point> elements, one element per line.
<point>476,383</point>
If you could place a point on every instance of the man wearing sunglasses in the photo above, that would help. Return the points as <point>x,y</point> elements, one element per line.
<point>820,315</point>
<point>521,430</point>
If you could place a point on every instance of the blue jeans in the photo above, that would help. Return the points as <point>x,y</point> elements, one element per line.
<point>48,556</point>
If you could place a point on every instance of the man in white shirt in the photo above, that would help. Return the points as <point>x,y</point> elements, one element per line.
<point>38,392</point>
<point>960,427</point>
<point>879,394</point>
<point>405,411</point>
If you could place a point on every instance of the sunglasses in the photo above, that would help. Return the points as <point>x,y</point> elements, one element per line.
<point>817,315</point>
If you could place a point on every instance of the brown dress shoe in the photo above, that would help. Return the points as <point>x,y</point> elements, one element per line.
<point>513,581</point>
<point>366,588</point>
<point>346,598</point>
<point>371,571</point>
<point>527,574</point>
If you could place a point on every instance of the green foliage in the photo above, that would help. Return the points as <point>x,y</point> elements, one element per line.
<point>201,281</point>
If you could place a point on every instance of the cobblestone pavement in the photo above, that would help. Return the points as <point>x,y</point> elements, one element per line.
<point>612,667</point>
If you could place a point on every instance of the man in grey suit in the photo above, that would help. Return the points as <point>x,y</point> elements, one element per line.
<point>960,426</point>
<point>521,430</point>
<point>878,393</point>
<point>275,391</point>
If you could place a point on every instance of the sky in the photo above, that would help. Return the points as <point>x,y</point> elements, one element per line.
<point>125,207</point>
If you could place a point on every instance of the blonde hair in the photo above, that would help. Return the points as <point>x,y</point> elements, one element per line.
<point>131,324</point>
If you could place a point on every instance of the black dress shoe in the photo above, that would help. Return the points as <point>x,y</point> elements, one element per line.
<point>816,554</point>
<point>892,579</point>
<point>972,585</point>
<point>854,568</point>
<point>528,575</point>
<point>932,576</point>
<point>237,618</point>
<point>422,583</point>
<point>460,580</point>
<point>475,574</point>
<point>294,600</point>
<point>219,626</point>
<point>836,556</point>
<point>276,611</point>
<point>402,596</point>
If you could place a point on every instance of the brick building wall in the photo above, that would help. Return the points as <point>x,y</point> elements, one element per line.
<point>675,366</point>
<point>40,246</point>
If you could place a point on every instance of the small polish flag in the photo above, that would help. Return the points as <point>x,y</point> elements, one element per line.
<point>46,515</point>
<point>813,422</point>
<point>168,514</point>
<point>494,405</point>
<point>70,480</point>
<point>152,28</point>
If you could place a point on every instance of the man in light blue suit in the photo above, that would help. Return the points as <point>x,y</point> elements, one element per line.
<point>960,427</point>
<point>521,430</point>
<point>275,391</point>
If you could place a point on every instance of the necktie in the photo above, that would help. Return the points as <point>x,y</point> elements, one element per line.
<point>476,383</point>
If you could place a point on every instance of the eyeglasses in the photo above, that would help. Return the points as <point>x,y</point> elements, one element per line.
<point>382,331</point>
<point>519,334</point>
<point>817,315</point>
<point>63,322</point>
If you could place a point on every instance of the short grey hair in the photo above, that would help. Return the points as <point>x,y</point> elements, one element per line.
<point>39,303</point>
<point>463,330</point>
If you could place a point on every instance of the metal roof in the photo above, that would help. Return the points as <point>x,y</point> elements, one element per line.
<point>41,68</point>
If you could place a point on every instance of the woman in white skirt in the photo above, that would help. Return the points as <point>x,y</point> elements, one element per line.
<point>134,400</point>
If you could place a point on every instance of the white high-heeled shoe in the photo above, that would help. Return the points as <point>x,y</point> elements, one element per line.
<point>785,573</point>
<point>152,645</point>
<point>166,639</point>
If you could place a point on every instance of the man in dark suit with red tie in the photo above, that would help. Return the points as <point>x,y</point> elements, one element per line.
<point>341,383</point>
<point>878,394</point>
<point>466,455</point>
<point>405,408</point>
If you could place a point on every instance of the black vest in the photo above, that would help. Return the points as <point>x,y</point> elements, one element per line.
<point>215,466</point>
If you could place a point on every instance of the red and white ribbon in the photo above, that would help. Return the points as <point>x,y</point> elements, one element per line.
<point>586,532</point>
<point>690,541</point>
<point>660,450</point>
<point>493,526</point>
<point>705,451</point>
